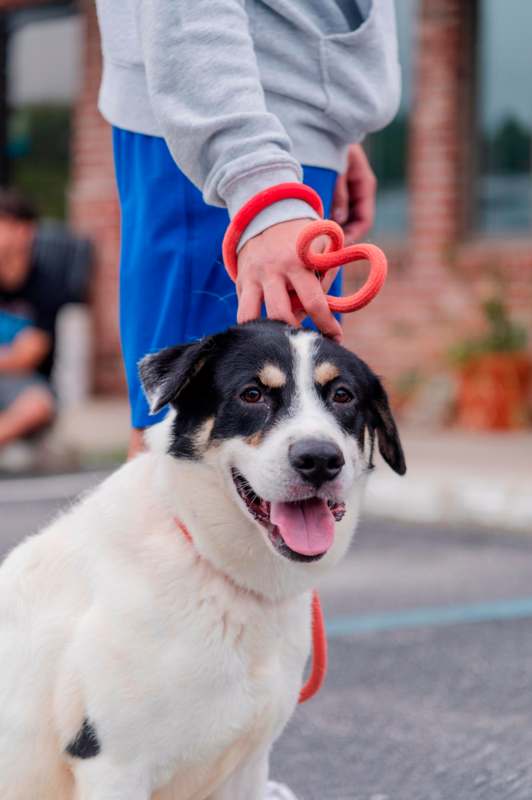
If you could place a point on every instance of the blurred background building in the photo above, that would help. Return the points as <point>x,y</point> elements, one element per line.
<point>455,201</point>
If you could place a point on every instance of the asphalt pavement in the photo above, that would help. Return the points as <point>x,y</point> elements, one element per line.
<point>429,691</point>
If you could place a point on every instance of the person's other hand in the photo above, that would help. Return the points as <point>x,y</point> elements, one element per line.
<point>268,269</point>
<point>353,205</point>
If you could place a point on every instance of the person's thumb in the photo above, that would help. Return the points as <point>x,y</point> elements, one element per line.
<point>340,203</point>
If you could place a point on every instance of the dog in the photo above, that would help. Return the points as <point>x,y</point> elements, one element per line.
<point>153,638</point>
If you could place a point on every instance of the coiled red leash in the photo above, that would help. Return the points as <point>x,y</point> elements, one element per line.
<point>336,255</point>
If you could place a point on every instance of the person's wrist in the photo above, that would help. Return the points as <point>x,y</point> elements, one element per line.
<point>244,188</point>
<point>277,240</point>
<point>281,211</point>
<point>263,200</point>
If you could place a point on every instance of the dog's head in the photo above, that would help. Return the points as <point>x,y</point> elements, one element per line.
<point>285,422</point>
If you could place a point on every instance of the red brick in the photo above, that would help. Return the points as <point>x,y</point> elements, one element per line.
<point>94,211</point>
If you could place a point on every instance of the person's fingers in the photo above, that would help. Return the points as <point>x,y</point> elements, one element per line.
<point>340,203</point>
<point>362,189</point>
<point>355,231</point>
<point>361,218</point>
<point>328,279</point>
<point>277,301</point>
<point>249,302</point>
<point>268,268</point>
<point>359,166</point>
<point>313,300</point>
<point>326,283</point>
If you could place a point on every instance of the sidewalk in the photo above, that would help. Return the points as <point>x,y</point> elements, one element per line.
<point>453,476</point>
<point>96,432</point>
<point>458,477</point>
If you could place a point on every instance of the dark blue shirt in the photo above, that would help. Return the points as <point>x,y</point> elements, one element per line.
<point>59,274</point>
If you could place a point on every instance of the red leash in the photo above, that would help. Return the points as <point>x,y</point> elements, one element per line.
<point>319,652</point>
<point>336,255</point>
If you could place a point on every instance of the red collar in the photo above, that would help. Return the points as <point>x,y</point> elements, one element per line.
<point>319,638</point>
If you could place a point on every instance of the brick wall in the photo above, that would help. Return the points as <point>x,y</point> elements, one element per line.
<point>440,273</point>
<point>93,209</point>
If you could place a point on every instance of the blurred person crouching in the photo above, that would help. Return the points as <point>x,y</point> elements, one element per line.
<point>43,266</point>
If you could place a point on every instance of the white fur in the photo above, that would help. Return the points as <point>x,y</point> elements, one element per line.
<point>267,467</point>
<point>188,658</point>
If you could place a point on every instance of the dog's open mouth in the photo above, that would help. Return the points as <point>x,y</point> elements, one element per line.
<point>302,530</point>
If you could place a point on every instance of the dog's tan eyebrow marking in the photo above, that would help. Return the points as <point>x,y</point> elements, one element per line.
<point>272,376</point>
<point>255,439</point>
<point>325,372</point>
<point>202,435</point>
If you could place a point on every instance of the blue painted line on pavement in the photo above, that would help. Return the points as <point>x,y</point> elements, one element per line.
<point>430,617</point>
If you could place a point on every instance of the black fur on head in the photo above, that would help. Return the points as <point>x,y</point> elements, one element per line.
<point>164,375</point>
<point>204,382</point>
<point>382,422</point>
<point>370,412</point>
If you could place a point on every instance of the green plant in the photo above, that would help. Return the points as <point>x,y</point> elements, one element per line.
<point>39,143</point>
<point>502,335</point>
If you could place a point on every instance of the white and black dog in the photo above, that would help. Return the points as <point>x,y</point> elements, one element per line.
<point>138,662</point>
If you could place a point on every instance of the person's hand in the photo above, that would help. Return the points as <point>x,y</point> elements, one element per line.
<point>268,269</point>
<point>353,205</point>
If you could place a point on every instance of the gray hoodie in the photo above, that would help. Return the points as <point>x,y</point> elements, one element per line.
<point>245,91</point>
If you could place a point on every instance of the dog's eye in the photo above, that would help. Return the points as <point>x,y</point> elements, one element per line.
<point>342,395</point>
<point>251,395</point>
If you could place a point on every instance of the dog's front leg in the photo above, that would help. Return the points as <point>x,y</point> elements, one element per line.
<point>248,782</point>
<point>99,779</point>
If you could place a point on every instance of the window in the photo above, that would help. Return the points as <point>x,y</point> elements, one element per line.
<point>504,186</point>
<point>44,77</point>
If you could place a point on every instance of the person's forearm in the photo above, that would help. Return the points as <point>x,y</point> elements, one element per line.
<point>206,92</point>
<point>11,360</point>
<point>25,353</point>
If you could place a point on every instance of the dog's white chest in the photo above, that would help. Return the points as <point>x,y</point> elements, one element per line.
<point>235,690</point>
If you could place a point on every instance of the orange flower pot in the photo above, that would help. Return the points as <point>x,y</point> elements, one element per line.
<point>493,392</point>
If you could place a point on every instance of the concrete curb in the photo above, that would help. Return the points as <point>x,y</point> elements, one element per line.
<point>422,497</point>
<point>455,477</point>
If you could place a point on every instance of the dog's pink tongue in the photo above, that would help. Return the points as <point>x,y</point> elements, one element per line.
<point>306,527</point>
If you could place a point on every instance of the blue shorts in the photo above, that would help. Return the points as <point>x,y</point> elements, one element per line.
<point>173,285</point>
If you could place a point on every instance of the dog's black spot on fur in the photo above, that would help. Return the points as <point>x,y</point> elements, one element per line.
<point>182,446</point>
<point>86,743</point>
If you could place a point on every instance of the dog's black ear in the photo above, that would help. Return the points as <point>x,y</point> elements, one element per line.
<point>165,374</point>
<point>384,426</point>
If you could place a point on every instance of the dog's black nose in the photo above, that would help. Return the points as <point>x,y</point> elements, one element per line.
<point>316,460</point>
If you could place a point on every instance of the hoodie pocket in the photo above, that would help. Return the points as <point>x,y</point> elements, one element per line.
<point>287,48</point>
<point>360,74</point>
